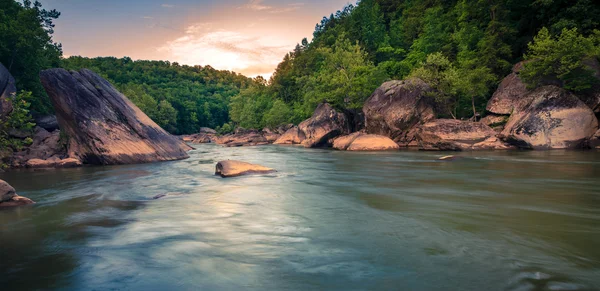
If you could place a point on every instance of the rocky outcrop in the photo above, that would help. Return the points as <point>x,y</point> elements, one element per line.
<point>324,125</point>
<point>553,119</point>
<point>9,197</point>
<point>102,126</point>
<point>457,135</point>
<point>396,108</point>
<point>293,136</point>
<point>359,141</point>
<point>7,91</point>
<point>46,146</point>
<point>227,169</point>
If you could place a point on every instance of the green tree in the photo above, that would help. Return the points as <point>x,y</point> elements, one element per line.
<point>561,58</point>
<point>26,46</point>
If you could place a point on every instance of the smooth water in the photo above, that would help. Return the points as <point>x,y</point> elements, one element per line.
<point>326,221</point>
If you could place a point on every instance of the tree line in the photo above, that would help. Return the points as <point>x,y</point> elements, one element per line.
<point>462,48</point>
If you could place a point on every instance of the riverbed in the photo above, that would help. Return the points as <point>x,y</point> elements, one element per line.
<point>327,220</point>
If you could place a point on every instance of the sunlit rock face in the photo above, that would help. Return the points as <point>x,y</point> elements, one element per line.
<point>228,169</point>
<point>102,126</point>
<point>553,119</point>
<point>360,141</point>
<point>396,108</point>
<point>7,90</point>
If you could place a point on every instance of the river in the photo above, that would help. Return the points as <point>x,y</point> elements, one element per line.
<point>326,220</point>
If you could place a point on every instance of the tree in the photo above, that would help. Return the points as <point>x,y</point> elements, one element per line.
<point>561,58</point>
<point>26,46</point>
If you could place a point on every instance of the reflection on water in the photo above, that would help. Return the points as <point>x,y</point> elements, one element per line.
<point>326,220</point>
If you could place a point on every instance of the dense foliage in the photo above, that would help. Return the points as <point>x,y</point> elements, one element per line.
<point>180,98</point>
<point>26,46</point>
<point>462,47</point>
<point>18,121</point>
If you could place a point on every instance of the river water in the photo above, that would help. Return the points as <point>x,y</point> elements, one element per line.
<point>326,220</point>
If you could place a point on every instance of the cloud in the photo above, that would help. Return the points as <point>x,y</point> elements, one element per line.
<point>226,50</point>
<point>258,5</point>
<point>167,5</point>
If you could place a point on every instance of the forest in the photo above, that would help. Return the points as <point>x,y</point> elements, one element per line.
<point>462,48</point>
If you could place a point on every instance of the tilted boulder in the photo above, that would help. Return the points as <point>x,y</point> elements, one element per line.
<point>554,119</point>
<point>324,125</point>
<point>396,108</point>
<point>293,136</point>
<point>102,126</point>
<point>7,91</point>
<point>228,169</point>
<point>359,141</point>
<point>457,135</point>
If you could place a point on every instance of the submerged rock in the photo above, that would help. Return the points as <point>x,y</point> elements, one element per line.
<point>227,169</point>
<point>102,126</point>
<point>457,135</point>
<point>9,197</point>
<point>324,125</point>
<point>396,108</point>
<point>365,142</point>
<point>554,119</point>
<point>7,92</point>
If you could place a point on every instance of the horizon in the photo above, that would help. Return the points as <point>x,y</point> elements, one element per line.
<point>250,37</point>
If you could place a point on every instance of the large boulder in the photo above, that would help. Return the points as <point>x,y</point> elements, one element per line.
<point>227,169</point>
<point>457,135</point>
<point>359,141</point>
<point>554,119</point>
<point>102,126</point>
<point>396,108</point>
<point>293,136</point>
<point>9,197</point>
<point>7,91</point>
<point>509,93</point>
<point>324,125</point>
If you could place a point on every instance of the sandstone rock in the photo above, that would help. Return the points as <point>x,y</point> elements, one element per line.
<point>7,91</point>
<point>343,142</point>
<point>41,164</point>
<point>555,119</point>
<point>284,128</point>
<point>453,135</point>
<point>227,169</point>
<point>325,124</point>
<point>293,136</point>
<point>103,127</point>
<point>359,141</point>
<point>17,201</point>
<point>69,163</point>
<point>199,138</point>
<point>7,192</point>
<point>396,108</point>
<point>270,135</point>
<point>373,142</point>
<point>9,197</point>
<point>48,122</point>
<point>509,93</point>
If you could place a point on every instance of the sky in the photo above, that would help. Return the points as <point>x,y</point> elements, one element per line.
<point>246,36</point>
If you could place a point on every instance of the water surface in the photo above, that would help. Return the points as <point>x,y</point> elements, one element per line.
<point>326,221</point>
